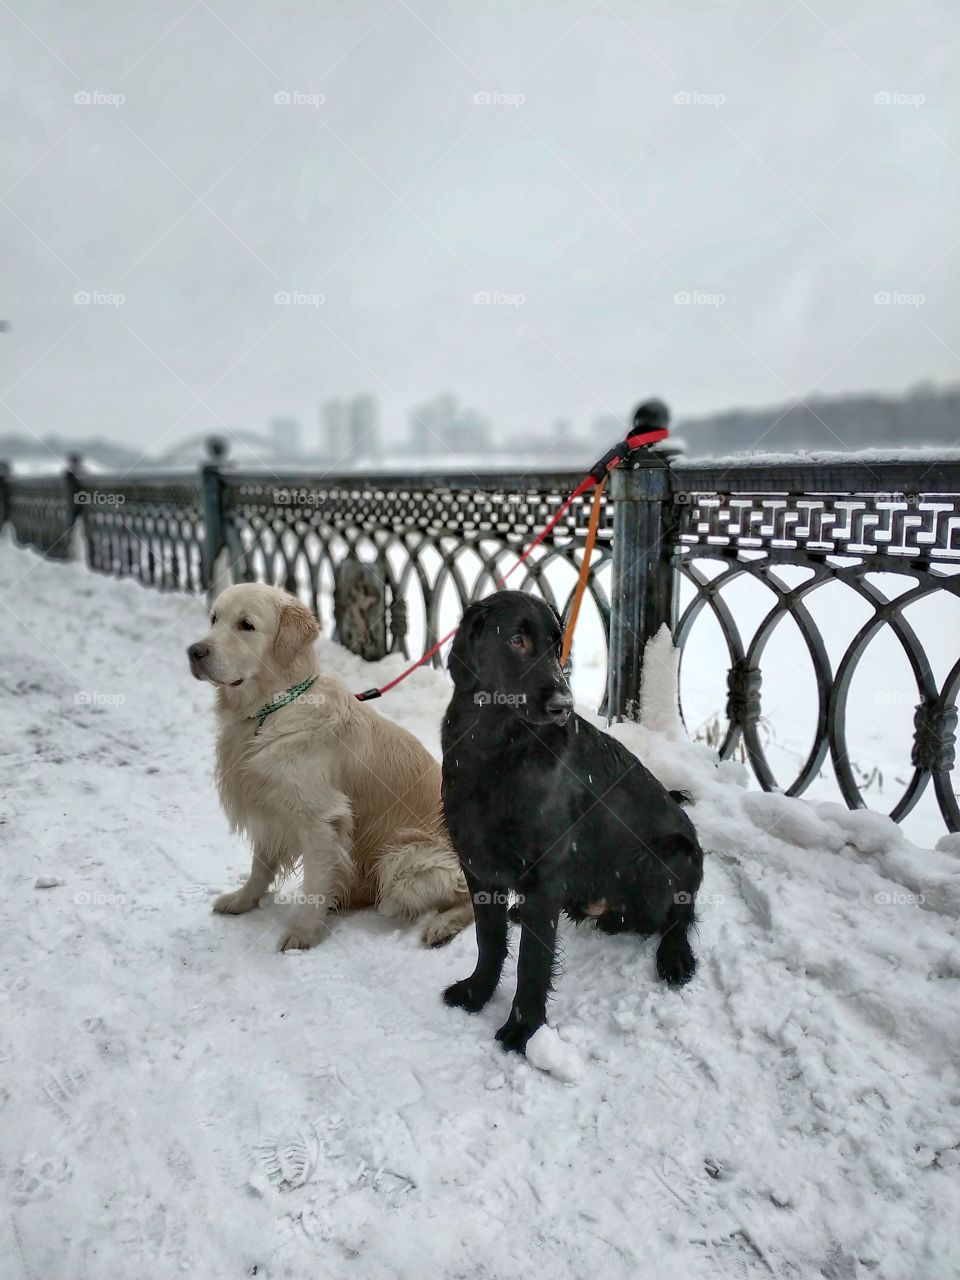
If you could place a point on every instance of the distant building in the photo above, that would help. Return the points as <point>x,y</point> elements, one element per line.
<point>364,420</point>
<point>431,423</point>
<point>441,426</point>
<point>469,433</point>
<point>286,437</point>
<point>348,429</point>
<point>334,431</point>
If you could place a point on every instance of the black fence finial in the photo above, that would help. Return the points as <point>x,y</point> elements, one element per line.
<point>217,448</point>
<point>651,415</point>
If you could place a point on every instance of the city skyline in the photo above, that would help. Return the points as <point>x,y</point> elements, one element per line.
<point>346,433</point>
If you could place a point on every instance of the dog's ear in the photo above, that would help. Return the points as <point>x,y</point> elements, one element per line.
<point>297,628</point>
<point>462,663</point>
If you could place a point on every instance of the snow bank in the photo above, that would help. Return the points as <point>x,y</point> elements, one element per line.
<point>178,1098</point>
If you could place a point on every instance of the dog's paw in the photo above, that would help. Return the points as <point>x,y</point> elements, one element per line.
<point>514,1034</point>
<point>676,962</point>
<point>438,932</point>
<point>466,995</point>
<point>442,926</point>
<point>234,904</point>
<point>302,937</point>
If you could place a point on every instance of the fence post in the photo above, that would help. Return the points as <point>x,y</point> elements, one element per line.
<point>4,493</point>
<point>212,568</point>
<point>74,547</point>
<point>643,590</point>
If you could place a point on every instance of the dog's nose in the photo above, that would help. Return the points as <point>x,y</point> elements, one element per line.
<point>197,652</point>
<point>558,706</point>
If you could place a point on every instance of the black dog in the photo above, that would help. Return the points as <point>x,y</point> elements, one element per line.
<point>539,802</point>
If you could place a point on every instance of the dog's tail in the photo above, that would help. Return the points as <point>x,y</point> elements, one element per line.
<point>419,878</point>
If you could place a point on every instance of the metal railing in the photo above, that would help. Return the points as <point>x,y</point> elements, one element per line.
<point>853,524</point>
<point>396,558</point>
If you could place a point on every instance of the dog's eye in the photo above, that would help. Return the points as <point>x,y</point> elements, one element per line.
<point>213,619</point>
<point>244,625</point>
<point>519,641</point>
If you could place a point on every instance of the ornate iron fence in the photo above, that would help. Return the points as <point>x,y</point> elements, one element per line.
<point>150,529</point>
<point>396,554</point>
<point>394,559</point>
<point>887,531</point>
<point>42,512</point>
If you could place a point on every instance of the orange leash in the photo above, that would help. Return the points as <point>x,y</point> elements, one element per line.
<point>584,572</point>
<point>596,476</point>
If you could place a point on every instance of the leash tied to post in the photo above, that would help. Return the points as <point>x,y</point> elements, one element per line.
<point>649,427</point>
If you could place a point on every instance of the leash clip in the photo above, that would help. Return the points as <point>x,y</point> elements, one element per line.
<point>609,460</point>
<point>637,439</point>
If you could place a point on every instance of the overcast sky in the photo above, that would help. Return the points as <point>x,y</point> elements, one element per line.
<point>578,191</point>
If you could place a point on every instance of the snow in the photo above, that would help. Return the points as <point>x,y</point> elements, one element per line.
<point>818,457</point>
<point>546,1050</point>
<point>179,1098</point>
<point>659,683</point>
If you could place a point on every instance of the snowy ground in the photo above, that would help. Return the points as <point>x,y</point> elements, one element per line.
<point>177,1097</point>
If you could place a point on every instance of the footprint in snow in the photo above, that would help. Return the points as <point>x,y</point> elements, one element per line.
<point>60,1089</point>
<point>291,1162</point>
<point>39,1177</point>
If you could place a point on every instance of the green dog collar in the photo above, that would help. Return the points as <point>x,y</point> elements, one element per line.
<point>282,701</point>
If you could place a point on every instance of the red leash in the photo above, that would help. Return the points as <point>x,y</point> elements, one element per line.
<point>598,472</point>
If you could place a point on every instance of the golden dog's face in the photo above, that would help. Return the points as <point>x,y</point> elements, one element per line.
<point>255,631</point>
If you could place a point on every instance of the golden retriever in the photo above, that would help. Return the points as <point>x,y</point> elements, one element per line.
<point>321,780</point>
